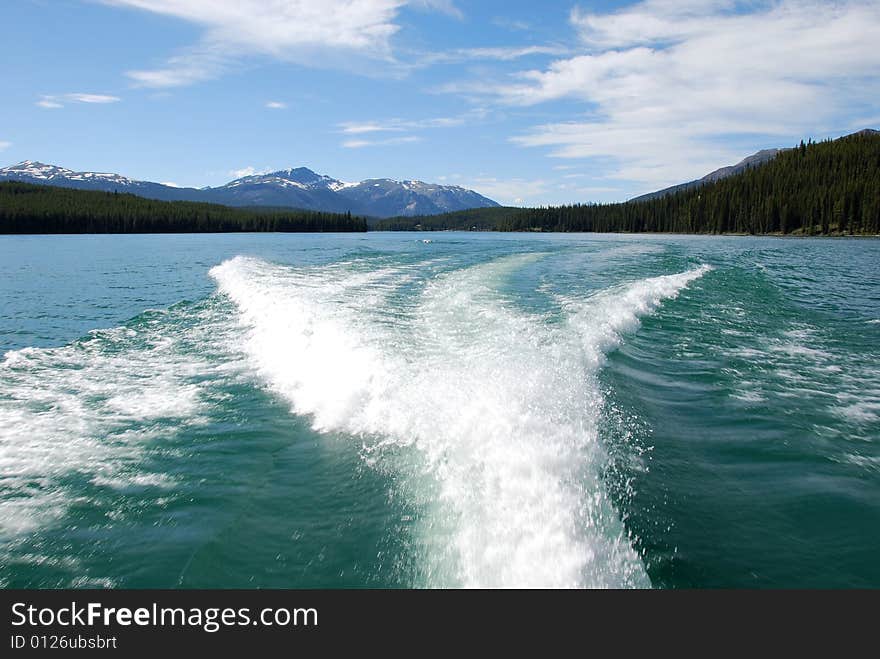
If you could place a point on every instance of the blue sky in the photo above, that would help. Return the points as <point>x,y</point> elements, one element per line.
<point>526,102</point>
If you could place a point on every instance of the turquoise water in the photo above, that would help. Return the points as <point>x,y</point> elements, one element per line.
<point>477,410</point>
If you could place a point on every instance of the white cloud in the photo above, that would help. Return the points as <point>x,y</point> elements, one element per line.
<point>171,184</point>
<point>247,171</point>
<point>667,87</point>
<point>4,145</point>
<point>360,144</point>
<point>276,105</point>
<point>59,100</point>
<point>650,21</point>
<point>316,32</point>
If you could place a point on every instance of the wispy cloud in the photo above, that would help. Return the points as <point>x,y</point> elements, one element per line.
<point>360,144</point>
<point>669,87</point>
<point>509,192</point>
<point>91,98</point>
<point>195,64</point>
<point>511,24</point>
<point>598,190</point>
<point>397,125</point>
<point>506,53</point>
<point>865,122</point>
<point>60,100</point>
<point>443,6</point>
<point>4,145</point>
<point>491,53</point>
<point>361,127</point>
<point>322,33</point>
<point>276,105</point>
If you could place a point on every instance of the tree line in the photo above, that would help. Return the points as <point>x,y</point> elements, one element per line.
<point>818,188</point>
<point>28,208</point>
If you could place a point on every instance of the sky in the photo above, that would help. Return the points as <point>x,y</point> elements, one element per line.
<point>529,103</point>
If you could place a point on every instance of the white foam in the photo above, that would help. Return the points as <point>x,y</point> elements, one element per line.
<point>90,408</point>
<point>133,480</point>
<point>748,395</point>
<point>805,363</point>
<point>866,462</point>
<point>861,412</point>
<point>499,406</point>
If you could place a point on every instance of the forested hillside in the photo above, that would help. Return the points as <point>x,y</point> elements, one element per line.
<point>26,208</point>
<point>823,188</point>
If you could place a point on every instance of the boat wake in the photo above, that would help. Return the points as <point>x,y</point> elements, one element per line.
<point>486,412</point>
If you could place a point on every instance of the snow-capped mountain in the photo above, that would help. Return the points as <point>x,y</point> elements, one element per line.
<point>294,188</point>
<point>299,188</point>
<point>33,170</point>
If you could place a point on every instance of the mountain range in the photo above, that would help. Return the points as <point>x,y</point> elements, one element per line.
<point>304,189</point>
<point>289,188</point>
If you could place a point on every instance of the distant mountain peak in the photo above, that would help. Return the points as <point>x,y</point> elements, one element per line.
<point>295,177</point>
<point>299,171</point>
<point>301,175</point>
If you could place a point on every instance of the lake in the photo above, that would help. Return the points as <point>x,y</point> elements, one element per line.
<point>439,410</point>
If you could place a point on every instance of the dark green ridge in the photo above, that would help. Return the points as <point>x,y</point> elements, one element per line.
<point>29,209</point>
<point>819,188</point>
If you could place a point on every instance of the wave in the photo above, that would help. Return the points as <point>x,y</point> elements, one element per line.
<point>491,411</point>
